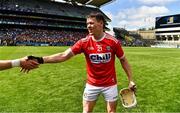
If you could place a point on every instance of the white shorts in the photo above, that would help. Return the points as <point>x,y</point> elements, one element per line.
<point>91,93</point>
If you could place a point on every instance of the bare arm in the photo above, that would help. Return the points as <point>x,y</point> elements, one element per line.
<point>5,64</point>
<point>55,58</point>
<point>59,57</point>
<point>127,69</point>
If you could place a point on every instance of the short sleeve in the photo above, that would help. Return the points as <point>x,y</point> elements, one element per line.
<point>119,51</point>
<point>77,47</point>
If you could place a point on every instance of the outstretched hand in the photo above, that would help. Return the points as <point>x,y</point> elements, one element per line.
<point>27,65</point>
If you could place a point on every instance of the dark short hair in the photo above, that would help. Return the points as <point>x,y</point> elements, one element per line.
<point>98,16</point>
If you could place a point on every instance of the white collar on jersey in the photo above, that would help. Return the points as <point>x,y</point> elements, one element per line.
<point>104,34</point>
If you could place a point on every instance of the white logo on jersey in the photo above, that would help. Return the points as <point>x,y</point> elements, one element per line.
<point>90,48</point>
<point>100,57</point>
<point>99,48</point>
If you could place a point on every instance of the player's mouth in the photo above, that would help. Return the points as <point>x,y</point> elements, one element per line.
<point>90,30</point>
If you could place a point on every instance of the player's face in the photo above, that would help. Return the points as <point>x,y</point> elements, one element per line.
<point>94,27</point>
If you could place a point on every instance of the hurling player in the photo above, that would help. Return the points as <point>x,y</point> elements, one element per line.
<point>100,50</point>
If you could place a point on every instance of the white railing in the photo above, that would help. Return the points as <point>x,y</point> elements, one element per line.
<point>167,44</point>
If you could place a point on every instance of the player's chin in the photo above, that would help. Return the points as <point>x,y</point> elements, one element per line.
<point>91,33</point>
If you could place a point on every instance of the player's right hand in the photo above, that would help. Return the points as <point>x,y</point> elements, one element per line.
<point>28,65</point>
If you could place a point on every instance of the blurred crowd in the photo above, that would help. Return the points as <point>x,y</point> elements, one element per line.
<point>39,37</point>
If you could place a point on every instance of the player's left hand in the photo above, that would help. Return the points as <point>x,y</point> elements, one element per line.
<point>132,86</point>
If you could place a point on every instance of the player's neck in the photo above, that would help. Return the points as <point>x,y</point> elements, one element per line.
<point>99,36</point>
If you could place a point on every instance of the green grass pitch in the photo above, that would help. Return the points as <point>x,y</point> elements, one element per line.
<point>59,87</point>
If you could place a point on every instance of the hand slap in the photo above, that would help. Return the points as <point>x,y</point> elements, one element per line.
<point>28,65</point>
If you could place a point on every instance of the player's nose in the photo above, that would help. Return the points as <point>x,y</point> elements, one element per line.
<point>88,26</point>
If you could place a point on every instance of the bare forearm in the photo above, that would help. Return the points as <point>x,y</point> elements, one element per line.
<point>59,57</point>
<point>127,68</point>
<point>54,58</point>
<point>5,64</point>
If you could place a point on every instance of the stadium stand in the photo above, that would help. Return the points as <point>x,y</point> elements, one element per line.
<point>44,22</point>
<point>39,37</point>
<point>97,3</point>
<point>129,38</point>
<point>168,31</point>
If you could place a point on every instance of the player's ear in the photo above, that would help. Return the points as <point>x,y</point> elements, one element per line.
<point>101,23</point>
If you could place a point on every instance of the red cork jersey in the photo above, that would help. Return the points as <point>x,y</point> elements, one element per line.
<point>100,58</point>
